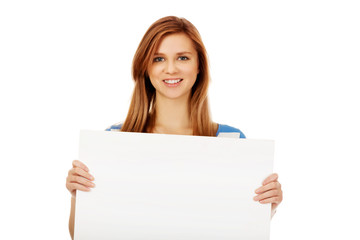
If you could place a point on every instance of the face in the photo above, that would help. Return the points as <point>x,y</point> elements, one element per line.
<point>174,67</point>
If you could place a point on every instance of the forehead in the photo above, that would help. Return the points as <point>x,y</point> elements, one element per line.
<point>177,42</point>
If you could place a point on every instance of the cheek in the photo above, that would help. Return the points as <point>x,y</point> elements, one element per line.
<point>154,72</point>
<point>191,72</point>
<point>152,76</point>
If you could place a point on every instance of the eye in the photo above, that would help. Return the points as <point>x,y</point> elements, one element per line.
<point>183,58</point>
<point>158,59</point>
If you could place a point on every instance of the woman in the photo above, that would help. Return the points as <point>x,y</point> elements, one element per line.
<point>171,74</point>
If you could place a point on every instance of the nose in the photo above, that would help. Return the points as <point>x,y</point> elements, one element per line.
<point>170,67</point>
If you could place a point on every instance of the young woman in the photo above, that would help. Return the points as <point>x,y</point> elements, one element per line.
<point>171,74</point>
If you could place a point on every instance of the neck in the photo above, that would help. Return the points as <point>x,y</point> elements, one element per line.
<point>172,116</point>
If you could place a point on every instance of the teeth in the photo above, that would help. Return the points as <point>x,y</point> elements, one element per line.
<point>172,81</point>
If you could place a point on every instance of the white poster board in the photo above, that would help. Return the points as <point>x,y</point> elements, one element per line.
<point>172,187</point>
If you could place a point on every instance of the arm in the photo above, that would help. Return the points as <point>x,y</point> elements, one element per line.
<point>72,217</point>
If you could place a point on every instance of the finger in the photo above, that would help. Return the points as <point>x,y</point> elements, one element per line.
<point>81,180</point>
<point>269,186</point>
<point>77,163</point>
<point>77,186</point>
<point>80,172</point>
<point>276,200</point>
<point>268,194</point>
<point>273,177</point>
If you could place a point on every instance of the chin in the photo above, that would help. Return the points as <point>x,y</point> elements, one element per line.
<point>178,96</point>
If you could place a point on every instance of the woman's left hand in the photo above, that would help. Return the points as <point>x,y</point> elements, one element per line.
<point>270,192</point>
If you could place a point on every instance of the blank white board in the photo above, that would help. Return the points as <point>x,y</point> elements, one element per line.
<point>172,187</point>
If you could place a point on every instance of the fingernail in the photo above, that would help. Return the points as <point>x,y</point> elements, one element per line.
<point>255,198</point>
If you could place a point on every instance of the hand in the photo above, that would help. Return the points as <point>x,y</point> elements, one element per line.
<point>270,192</point>
<point>79,178</point>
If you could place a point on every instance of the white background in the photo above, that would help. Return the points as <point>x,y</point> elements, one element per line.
<point>282,70</point>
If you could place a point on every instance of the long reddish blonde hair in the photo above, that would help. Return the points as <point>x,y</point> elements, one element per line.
<point>141,115</point>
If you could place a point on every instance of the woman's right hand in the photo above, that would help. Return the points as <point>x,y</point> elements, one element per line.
<point>79,178</point>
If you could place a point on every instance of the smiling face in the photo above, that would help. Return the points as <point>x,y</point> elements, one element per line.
<point>174,67</point>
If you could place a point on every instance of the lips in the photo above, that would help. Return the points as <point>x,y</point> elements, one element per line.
<point>172,82</point>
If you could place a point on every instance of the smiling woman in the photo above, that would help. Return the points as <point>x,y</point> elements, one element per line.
<point>171,74</point>
<point>171,50</point>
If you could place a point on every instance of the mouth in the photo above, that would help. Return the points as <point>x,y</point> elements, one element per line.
<point>172,82</point>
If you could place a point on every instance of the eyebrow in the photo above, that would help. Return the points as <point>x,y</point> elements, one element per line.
<point>179,53</point>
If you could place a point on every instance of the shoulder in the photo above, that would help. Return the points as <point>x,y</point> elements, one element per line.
<point>114,127</point>
<point>225,130</point>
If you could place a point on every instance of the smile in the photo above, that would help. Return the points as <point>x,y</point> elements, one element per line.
<point>172,81</point>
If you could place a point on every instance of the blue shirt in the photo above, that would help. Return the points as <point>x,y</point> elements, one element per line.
<point>221,129</point>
